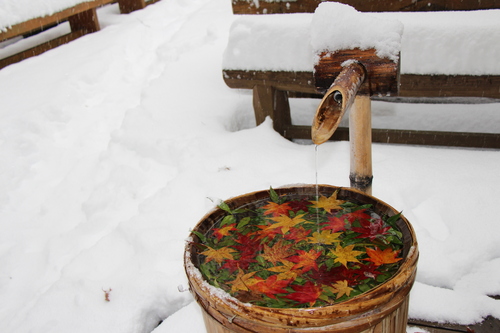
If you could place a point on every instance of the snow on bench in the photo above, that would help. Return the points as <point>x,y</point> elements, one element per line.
<point>22,17</point>
<point>443,54</point>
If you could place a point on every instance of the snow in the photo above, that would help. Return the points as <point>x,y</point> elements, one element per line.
<point>336,27</point>
<point>446,43</point>
<point>17,11</point>
<point>114,146</point>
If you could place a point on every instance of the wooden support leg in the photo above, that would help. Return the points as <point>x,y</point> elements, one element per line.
<point>269,101</point>
<point>128,6</point>
<point>86,21</point>
<point>360,138</point>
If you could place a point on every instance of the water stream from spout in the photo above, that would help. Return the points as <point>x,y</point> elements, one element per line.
<point>317,187</point>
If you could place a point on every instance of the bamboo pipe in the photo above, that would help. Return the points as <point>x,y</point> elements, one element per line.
<point>336,101</point>
<point>340,97</point>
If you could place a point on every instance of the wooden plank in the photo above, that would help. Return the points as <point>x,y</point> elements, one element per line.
<point>412,137</point>
<point>302,82</point>
<point>37,23</point>
<point>308,6</point>
<point>412,85</point>
<point>40,48</point>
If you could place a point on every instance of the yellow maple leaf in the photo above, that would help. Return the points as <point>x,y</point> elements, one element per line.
<point>285,271</point>
<point>285,223</point>
<point>328,203</point>
<point>325,237</point>
<point>219,255</point>
<point>341,288</point>
<point>345,254</point>
<point>243,281</point>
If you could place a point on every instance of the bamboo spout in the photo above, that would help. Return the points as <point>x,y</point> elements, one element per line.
<point>336,101</point>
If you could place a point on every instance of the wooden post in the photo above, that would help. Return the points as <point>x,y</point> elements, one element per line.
<point>85,21</point>
<point>360,140</point>
<point>271,102</point>
<point>128,6</point>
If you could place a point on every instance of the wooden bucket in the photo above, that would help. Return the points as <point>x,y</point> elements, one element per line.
<point>383,309</point>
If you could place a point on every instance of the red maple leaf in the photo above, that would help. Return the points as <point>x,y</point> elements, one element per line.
<point>275,209</point>
<point>336,224</point>
<point>305,260</point>
<point>297,205</point>
<point>297,234</point>
<point>308,293</point>
<point>357,215</point>
<point>270,286</point>
<point>371,229</point>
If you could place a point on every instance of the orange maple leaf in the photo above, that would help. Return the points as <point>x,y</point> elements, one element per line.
<point>242,281</point>
<point>328,203</point>
<point>277,252</point>
<point>345,254</point>
<point>219,255</point>
<point>224,231</point>
<point>285,223</point>
<point>270,286</point>
<point>379,257</point>
<point>276,209</point>
<point>305,260</point>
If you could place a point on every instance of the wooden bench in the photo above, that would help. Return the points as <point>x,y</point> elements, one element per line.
<point>82,19</point>
<point>271,89</point>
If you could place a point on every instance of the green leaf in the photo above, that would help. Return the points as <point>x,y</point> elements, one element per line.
<point>274,196</point>
<point>244,221</point>
<point>228,220</point>
<point>200,236</point>
<point>224,206</point>
<point>392,220</point>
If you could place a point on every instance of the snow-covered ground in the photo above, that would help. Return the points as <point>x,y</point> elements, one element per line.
<point>114,146</point>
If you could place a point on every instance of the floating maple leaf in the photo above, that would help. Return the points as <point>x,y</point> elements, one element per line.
<point>224,231</point>
<point>277,252</point>
<point>341,288</point>
<point>334,224</point>
<point>305,260</point>
<point>328,204</point>
<point>324,237</point>
<point>297,234</point>
<point>285,223</point>
<point>379,257</point>
<point>275,209</point>
<point>346,254</point>
<point>298,205</point>
<point>359,214</point>
<point>371,229</point>
<point>286,271</point>
<point>219,255</point>
<point>242,281</point>
<point>270,286</point>
<point>308,293</point>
